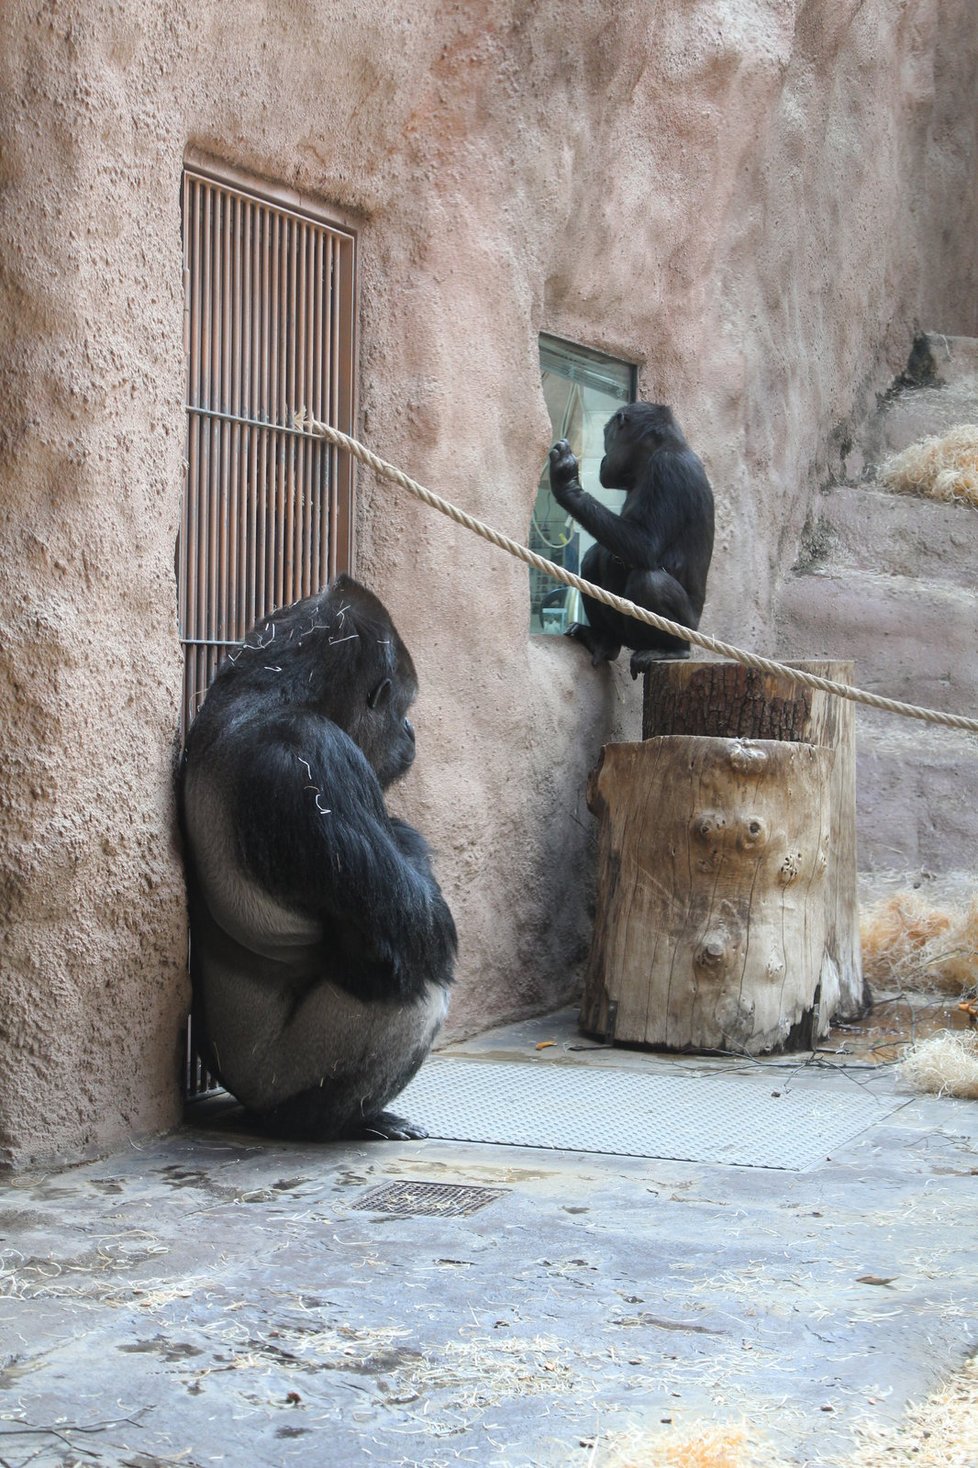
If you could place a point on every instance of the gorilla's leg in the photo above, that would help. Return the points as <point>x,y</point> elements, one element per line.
<point>658,592</point>
<point>601,634</point>
<point>309,1059</point>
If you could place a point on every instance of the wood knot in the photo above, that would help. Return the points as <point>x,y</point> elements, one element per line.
<point>790,867</point>
<point>709,823</point>
<point>713,953</point>
<point>746,760</point>
<point>753,833</point>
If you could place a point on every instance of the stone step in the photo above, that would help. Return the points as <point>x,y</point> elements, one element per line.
<point>889,580</point>
<point>868,529</point>
<point>915,414</point>
<point>916,799</point>
<point>913,641</point>
<point>938,391</point>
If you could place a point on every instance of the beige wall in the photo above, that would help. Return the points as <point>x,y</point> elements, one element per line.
<point>758,200</point>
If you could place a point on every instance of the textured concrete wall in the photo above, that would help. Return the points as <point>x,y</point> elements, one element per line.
<point>757,200</point>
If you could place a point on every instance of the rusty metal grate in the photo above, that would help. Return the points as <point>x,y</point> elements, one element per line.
<point>269,328</point>
<point>442,1200</point>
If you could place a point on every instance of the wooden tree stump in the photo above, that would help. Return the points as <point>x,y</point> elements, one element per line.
<point>711,920</point>
<point>726,699</point>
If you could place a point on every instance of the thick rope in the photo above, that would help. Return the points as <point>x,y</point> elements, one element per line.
<point>307,424</point>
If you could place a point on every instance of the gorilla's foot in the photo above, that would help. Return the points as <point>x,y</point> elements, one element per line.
<point>602,649</point>
<point>306,1118</point>
<point>387,1126</point>
<point>642,661</point>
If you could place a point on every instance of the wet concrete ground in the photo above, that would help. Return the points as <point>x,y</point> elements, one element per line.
<point>211,1297</point>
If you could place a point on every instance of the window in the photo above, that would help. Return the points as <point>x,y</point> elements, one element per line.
<point>582,389</point>
<point>269,329</point>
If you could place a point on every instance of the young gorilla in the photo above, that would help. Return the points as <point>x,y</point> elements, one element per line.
<point>657,551</point>
<point>321,946</point>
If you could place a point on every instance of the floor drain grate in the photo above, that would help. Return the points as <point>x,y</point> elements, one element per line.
<point>443,1200</point>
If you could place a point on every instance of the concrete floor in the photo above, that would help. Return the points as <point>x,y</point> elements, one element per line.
<point>211,1297</point>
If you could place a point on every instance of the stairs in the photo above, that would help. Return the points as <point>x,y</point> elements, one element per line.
<point>890,580</point>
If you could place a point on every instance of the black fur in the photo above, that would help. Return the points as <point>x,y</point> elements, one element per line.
<point>657,552</point>
<point>321,946</point>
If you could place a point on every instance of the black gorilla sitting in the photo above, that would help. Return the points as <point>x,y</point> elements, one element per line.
<point>321,946</point>
<point>657,552</point>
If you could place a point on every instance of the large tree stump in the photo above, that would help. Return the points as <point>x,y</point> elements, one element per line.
<point>728,700</point>
<point>710,928</point>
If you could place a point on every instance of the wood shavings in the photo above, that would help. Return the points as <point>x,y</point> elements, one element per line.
<point>947,1064</point>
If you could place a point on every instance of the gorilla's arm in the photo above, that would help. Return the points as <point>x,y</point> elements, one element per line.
<point>653,517</point>
<point>311,828</point>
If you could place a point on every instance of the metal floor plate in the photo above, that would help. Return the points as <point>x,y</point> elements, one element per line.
<point>739,1120</point>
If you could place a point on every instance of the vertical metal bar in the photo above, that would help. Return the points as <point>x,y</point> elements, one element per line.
<point>308,454</point>
<point>316,390</point>
<point>285,440</point>
<point>343,366</point>
<point>265,549</point>
<point>318,461</point>
<point>251,605</point>
<point>195,234</point>
<point>288,376</point>
<point>261,539</point>
<point>206,329</point>
<point>214,425</point>
<point>231,611</point>
<point>293,354</point>
<point>224,486</point>
<point>268,478</point>
<point>254,380</point>
<point>334,458</point>
<point>265,258</point>
<point>248,411</point>
<point>274,580</point>
<point>329,453</point>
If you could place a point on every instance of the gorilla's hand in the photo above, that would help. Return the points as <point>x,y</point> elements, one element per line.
<point>564,482</point>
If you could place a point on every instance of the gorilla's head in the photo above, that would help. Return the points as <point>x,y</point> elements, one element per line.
<point>630,436</point>
<point>337,654</point>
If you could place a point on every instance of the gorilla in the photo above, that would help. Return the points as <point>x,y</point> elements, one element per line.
<point>322,949</point>
<point>657,551</point>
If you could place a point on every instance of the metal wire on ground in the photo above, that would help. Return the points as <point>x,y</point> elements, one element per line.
<point>364,455</point>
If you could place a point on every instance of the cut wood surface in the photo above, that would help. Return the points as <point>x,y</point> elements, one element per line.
<point>711,916</point>
<point>727,700</point>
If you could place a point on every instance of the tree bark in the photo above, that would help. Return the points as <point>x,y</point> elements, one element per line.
<point>725,699</point>
<point>711,915</point>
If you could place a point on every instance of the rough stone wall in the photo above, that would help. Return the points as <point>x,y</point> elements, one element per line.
<point>757,200</point>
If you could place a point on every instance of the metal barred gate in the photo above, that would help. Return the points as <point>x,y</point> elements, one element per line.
<point>269,328</point>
